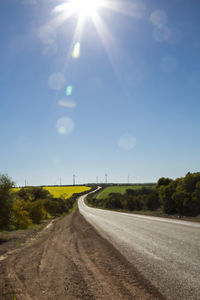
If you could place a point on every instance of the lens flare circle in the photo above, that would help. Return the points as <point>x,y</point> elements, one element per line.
<point>69,90</point>
<point>68,103</point>
<point>76,50</point>
<point>56,81</point>
<point>65,125</point>
<point>126,142</point>
<point>158,18</point>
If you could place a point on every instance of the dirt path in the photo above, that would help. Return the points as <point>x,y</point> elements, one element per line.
<point>71,261</point>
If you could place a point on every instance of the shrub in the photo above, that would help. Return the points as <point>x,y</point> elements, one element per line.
<point>114,200</point>
<point>21,216</point>
<point>37,211</point>
<point>163,181</point>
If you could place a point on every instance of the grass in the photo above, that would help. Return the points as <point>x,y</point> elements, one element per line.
<point>13,295</point>
<point>121,189</point>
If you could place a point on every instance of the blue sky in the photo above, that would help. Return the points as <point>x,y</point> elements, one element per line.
<point>134,104</point>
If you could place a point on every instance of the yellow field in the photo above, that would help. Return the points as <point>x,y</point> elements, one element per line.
<point>67,191</point>
<point>57,191</point>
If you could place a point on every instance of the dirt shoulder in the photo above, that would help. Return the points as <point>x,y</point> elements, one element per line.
<point>10,240</point>
<point>70,260</point>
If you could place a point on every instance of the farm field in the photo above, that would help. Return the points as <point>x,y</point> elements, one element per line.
<point>119,189</point>
<point>67,191</point>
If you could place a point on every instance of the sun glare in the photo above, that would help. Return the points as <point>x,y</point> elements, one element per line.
<point>94,10</point>
<point>86,7</point>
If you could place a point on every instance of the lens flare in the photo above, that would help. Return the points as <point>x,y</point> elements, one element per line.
<point>50,50</point>
<point>161,34</point>
<point>85,7</point>
<point>65,125</point>
<point>158,18</point>
<point>93,9</point>
<point>126,142</point>
<point>47,34</point>
<point>68,103</point>
<point>69,90</point>
<point>76,50</point>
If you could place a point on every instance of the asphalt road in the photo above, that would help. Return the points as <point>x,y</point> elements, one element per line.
<point>165,251</point>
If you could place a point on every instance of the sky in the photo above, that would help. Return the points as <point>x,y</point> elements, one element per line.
<point>104,87</point>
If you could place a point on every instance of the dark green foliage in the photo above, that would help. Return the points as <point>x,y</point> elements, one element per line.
<point>181,200</point>
<point>139,199</point>
<point>189,183</point>
<point>33,194</point>
<point>29,205</point>
<point>6,200</point>
<point>39,193</point>
<point>57,206</point>
<point>37,211</point>
<point>24,194</point>
<point>114,200</point>
<point>152,201</point>
<point>163,181</point>
<point>40,202</point>
<point>180,196</point>
<point>165,195</point>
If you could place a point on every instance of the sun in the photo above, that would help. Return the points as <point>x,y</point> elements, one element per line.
<point>94,10</point>
<point>86,8</point>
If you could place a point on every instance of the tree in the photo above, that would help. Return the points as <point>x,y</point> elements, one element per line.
<point>24,194</point>
<point>165,195</point>
<point>37,211</point>
<point>181,199</point>
<point>188,183</point>
<point>6,199</point>
<point>38,193</point>
<point>152,201</point>
<point>163,181</point>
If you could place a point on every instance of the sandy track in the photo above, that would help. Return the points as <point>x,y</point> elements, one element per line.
<point>71,260</point>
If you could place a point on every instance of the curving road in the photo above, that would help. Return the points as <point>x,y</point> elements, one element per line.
<point>165,251</point>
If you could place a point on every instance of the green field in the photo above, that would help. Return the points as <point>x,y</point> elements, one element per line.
<point>119,189</point>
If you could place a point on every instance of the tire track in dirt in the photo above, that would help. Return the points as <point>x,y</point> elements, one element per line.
<point>71,261</point>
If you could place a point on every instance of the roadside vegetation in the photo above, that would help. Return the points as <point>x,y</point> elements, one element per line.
<point>173,197</point>
<point>121,189</point>
<point>22,207</point>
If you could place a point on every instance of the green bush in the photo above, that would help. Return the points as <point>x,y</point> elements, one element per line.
<point>114,200</point>
<point>20,215</point>
<point>37,211</point>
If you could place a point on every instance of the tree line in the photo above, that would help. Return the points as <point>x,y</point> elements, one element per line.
<point>30,205</point>
<point>180,196</point>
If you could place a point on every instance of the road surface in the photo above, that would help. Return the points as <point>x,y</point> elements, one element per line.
<point>165,251</point>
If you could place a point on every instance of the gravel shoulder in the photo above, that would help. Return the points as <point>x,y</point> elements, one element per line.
<point>70,260</point>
